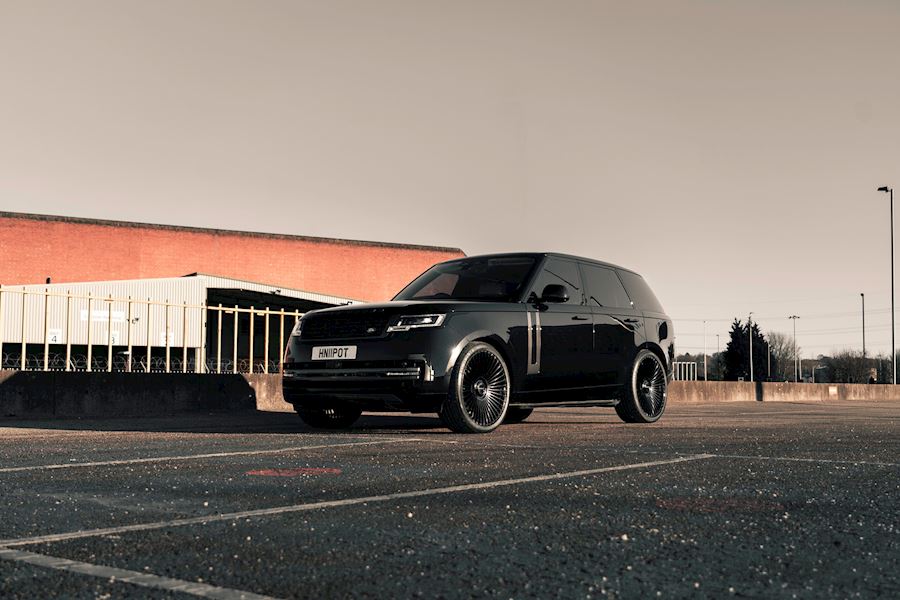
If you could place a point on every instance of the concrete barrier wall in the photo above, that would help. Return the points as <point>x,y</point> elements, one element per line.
<point>268,393</point>
<point>697,392</point>
<point>37,394</point>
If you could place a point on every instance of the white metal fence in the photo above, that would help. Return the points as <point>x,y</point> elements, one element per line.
<point>69,332</point>
<point>684,371</point>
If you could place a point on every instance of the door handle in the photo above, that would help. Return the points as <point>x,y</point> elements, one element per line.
<point>630,321</point>
<point>579,318</point>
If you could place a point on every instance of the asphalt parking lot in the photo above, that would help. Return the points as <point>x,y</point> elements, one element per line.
<point>726,500</point>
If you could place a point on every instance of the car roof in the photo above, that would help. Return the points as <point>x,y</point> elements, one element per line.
<point>543,254</point>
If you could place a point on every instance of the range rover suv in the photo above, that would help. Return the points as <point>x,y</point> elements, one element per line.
<point>483,341</point>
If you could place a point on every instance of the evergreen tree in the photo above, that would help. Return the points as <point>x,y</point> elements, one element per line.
<point>737,361</point>
<point>760,355</point>
<point>737,352</point>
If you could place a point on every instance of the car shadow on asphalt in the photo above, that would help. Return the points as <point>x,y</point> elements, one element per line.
<point>244,422</point>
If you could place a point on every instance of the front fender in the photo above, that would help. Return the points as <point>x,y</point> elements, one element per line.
<point>503,346</point>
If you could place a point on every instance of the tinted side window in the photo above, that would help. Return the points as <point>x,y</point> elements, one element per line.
<point>640,292</point>
<point>603,288</point>
<point>564,272</point>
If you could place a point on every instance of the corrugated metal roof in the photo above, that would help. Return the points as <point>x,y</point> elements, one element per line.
<point>215,281</point>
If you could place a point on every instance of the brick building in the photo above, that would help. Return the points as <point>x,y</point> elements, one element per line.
<point>68,249</point>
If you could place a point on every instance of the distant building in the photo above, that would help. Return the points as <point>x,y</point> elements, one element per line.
<point>34,248</point>
<point>194,323</point>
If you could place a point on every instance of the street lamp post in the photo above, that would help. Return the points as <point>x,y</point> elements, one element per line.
<point>794,319</point>
<point>863,296</point>
<point>705,375</point>
<point>890,191</point>
<point>719,357</point>
<point>750,335</point>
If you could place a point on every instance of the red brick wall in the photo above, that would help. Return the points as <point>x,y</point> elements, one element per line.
<point>32,249</point>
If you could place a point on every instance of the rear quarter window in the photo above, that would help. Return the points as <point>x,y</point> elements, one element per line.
<point>604,288</point>
<point>640,292</point>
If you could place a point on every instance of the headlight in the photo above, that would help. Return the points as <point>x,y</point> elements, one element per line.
<point>408,322</point>
<point>297,328</point>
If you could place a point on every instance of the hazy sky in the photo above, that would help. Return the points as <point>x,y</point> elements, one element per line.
<point>729,151</point>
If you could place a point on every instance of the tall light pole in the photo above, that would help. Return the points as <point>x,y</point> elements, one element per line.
<point>890,191</point>
<point>705,376</point>
<point>863,296</point>
<point>719,357</point>
<point>794,319</point>
<point>750,335</point>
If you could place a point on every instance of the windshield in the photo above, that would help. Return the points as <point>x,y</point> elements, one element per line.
<point>499,279</point>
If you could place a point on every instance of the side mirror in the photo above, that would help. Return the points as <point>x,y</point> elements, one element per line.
<point>555,293</point>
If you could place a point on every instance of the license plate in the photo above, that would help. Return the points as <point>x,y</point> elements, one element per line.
<point>333,352</point>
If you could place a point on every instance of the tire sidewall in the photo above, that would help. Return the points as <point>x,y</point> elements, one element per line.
<point>642,355</point>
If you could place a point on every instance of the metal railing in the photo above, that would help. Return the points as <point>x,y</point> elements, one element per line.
<point>684,371</point>
<point>213,338</point>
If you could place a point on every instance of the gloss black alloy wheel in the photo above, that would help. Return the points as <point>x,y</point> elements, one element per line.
<point>340,416</point>
<point>645,400</point>
<point>479,391</point>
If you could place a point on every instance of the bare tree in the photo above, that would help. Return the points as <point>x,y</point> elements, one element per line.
<point>848,366</point>
<point>781,345</point>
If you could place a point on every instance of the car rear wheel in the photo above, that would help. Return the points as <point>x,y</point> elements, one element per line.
<point>645,399</point>
<point>516,415</point>
<point>479,391</point>
<point>333,417</point>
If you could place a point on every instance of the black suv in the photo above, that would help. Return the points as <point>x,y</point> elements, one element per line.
<point>483,340</point>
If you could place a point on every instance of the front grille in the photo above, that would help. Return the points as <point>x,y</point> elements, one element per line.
<point>384,365</point>
<point>337,326</point>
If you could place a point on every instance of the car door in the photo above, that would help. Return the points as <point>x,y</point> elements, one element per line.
<point>618,327</point>
<point>561,337</point>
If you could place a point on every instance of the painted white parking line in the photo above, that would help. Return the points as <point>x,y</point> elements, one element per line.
<point>280,510</point>
<point>826,461</point>
<point>133,577</point>
<point>135,461</point>
<point>811,460</point>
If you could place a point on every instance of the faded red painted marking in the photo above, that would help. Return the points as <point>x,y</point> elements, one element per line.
<point>711,505</point>
<point>295,472</point>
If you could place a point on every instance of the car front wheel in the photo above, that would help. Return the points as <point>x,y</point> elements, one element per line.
<point>479,391</point>
<point>644,400</point>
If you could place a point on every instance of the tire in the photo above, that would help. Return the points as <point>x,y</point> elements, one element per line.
<point>516,415</point>
<point>644,401</point>
<point>478,398</point>
<point>335,417</point>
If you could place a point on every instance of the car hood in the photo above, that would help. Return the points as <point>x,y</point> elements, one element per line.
<point>415,307</point>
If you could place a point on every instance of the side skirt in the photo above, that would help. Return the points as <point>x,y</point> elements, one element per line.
<point>574,403</point>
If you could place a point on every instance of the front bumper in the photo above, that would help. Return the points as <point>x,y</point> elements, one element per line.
<point>400,371</point>
<point>356,374</point>
<point>382,385</point>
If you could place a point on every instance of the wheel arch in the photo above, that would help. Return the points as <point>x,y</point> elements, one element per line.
<point>501,346</point>
<point>493,340</point>
<point>658,351</point>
